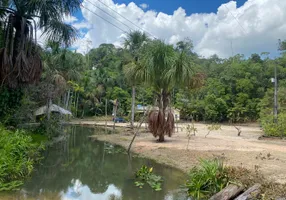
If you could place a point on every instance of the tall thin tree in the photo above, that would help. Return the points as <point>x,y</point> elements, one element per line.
<point>134,42</point>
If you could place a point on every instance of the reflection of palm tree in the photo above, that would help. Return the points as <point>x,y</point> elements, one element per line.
<point>20,59</point>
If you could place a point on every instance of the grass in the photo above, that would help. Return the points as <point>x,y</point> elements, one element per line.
<point>207,179</point>
<point>18,155</point>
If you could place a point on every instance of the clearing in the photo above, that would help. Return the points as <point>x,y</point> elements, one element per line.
<point>266,156</point>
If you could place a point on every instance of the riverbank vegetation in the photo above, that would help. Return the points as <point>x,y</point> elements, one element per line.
<point>19,153</point>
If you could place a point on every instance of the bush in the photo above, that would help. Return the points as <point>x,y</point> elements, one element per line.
<point>207,179</point>
<point>18,154</point>
<point>274,129</point>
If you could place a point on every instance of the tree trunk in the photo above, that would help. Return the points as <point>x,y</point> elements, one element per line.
<point>115,112</point>
<point>161,137</point>
<point>251,193</point>
<point>229,192</point>
<point>76,106</point>
<point>49,104</point>
<point>133,106</point>
<point>67,99</point>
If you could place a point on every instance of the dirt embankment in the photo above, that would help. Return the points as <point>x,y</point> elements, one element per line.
<point>269,157</point>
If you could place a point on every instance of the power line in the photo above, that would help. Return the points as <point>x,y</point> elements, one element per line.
<point>104,19</point>
<point>126,19</point>
<point>109,14</point>
<point>235,19</point>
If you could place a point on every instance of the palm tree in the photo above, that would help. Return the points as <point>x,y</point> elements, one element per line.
<point>61,66</point>
<point>133,42</point>
<point>20,57</point>
<point>163,68</point>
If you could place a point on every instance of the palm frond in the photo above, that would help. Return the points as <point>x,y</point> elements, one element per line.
<point>58,31</point>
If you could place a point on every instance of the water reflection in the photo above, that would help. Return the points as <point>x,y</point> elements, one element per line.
<point>78,191</point>
<point>80,169</point>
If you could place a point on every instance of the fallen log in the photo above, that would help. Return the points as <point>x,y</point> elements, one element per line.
<point>251,193</point>
<point>229,192</point>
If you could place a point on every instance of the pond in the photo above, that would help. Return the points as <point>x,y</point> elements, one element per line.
<point>78,168</point>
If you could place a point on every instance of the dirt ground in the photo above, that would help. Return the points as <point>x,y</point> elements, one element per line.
<point>266,156</point>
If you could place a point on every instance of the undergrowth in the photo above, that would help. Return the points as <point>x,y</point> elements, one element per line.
<point>207,179</point>
<point>18,155</point>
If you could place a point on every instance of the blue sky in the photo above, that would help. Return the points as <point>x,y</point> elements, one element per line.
<point>169,6</point>
<point>191,6</point>
<point>241,26</point>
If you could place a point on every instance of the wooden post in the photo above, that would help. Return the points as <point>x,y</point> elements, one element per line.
<point>115,111</point>
<point>105,114</point>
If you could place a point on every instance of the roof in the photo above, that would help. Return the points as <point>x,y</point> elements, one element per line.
<point>53,108</point>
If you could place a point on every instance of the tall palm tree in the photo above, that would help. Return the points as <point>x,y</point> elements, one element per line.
<point>163,68</point>
<point>134,42</point>
<point>20,58</point>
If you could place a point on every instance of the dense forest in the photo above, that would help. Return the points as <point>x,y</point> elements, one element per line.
<point>236,89</point>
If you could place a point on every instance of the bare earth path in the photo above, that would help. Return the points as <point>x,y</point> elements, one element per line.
<point>247,151</point>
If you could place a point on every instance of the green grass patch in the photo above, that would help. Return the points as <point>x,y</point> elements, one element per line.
<point>18,155</point>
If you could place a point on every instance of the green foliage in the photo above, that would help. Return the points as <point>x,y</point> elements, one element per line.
<point>207,179</point>
<point>146,175</point>
<point>213,127</point>
<point>266,114</point>
<point>10,100</point>
<point>18,155</point>
<point>50,128</point>
<point>191,131</point>
<point>232,90</point>
<point>275,129</point>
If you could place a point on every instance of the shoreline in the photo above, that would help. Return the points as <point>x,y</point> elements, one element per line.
<point>245,151</point>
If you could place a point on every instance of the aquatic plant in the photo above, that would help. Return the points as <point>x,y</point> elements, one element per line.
<point>146,175</point>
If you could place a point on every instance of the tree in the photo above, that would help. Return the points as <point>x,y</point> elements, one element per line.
<point>61,66</point>
<point>134,42</point>
<point>163,68</point>
<point>20,57</point>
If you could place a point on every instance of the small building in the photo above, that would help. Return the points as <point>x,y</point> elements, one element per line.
<point>142,109</point>
<point>53,108</point>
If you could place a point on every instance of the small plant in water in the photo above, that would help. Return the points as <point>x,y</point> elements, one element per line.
<point>209,178</point>
<point>213,127</point>
<point>146,175</point>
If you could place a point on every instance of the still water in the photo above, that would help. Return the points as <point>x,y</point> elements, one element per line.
<point>78,168</point>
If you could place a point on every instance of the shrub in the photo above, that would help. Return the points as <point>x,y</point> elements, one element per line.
<point>18,154</point>
<point>209,178</point>
<point>274,129</point>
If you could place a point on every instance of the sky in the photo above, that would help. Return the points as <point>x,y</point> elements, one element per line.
<point>219,27</point>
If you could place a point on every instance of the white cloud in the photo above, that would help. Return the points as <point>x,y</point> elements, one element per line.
<point>252,28</point>
<point>82,25</point>
<point>69,19</point>
<point>144,6</point>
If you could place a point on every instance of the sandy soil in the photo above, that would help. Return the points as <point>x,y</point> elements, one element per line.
<point>267,156</point>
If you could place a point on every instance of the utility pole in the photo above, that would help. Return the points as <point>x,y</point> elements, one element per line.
<point>275,107</point>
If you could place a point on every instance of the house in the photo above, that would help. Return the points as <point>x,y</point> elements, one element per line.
<point>142,109</point>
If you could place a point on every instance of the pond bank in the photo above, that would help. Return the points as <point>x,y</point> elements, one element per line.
<point>268,157</point>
